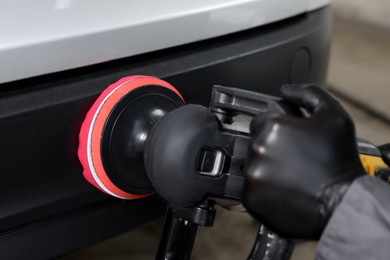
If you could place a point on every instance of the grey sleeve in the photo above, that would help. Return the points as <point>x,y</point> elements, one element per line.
<point>360,226</point>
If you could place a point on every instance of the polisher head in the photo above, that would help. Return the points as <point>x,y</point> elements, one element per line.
<point>114,131</point>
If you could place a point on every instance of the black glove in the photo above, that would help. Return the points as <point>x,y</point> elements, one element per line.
<point>385,150</point>
<point>299,169</point>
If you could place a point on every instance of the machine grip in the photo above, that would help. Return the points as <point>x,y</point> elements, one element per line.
<point>227,103</point>
<point>270,246</point>
<point>177,238</point>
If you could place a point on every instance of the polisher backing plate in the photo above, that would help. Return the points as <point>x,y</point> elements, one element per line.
<point>89,152</point>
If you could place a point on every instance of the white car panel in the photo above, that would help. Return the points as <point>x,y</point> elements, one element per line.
<point>315,4</point>
<point>44,36</point>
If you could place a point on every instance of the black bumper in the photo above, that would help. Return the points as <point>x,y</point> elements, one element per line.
<point>46,207</point>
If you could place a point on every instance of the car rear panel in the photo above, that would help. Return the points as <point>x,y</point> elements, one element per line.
<point>46,207</point>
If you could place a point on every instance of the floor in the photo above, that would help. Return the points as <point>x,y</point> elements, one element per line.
<point>360,71</point>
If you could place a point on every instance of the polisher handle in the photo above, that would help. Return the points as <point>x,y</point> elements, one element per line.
<point>228,102</point>
<point>177,238</point>
<point>270,246</point>
<point>180,227</point>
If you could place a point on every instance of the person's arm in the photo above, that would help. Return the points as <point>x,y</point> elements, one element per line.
<point>371,217</point>
<point>360,226</point>
<point>301,173</point>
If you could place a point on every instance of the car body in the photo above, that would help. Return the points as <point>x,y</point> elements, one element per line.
<point>56,57</point>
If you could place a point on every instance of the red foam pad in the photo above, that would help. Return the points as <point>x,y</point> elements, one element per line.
<point>92,130</point>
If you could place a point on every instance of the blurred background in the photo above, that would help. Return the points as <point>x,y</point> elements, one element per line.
<point>359,75</point>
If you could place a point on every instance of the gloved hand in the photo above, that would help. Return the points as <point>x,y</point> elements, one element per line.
<point>385,150</point>
<point>299,169</point>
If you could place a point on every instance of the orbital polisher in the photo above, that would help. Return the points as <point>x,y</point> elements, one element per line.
<point>140,137</point>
